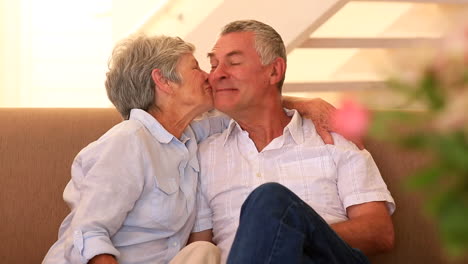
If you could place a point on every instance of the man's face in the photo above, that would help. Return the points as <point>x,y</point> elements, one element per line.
<point>238,78</point>
<point>194,88</point>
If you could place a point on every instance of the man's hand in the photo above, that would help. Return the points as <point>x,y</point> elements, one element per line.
<point>321,113</point>
<point>103,259</point>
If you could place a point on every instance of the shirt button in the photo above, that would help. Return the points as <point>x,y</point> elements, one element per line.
<point>259,174</point>
<point>174,244</point>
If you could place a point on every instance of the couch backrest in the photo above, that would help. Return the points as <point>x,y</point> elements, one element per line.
<point>37,147</point>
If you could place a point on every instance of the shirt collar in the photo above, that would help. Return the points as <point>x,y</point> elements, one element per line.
<point>294,128</point>
<point>153,125</point>
<point>232,125</point>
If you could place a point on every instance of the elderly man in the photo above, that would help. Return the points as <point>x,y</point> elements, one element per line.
<point>266,143</point>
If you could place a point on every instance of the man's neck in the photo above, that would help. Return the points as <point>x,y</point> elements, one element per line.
<point>263,123</point>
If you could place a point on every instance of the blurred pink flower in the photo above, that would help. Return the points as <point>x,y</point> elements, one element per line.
<point>351,119</point>
<point>453,50</point>
<point>455,43</point>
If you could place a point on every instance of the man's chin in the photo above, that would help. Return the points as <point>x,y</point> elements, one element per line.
<point>225,107</point>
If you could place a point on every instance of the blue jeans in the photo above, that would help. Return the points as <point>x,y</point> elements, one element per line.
<point>276,226</point>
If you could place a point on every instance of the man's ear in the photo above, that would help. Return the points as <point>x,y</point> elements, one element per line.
<point>277,71</point>
<point>162,84</point>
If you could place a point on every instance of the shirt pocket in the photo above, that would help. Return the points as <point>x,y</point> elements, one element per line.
<point>169,204</point>
<point>312,179</point>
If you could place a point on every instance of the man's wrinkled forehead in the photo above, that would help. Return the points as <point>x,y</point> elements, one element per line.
<point>212,55</point>
<point>231,44</point>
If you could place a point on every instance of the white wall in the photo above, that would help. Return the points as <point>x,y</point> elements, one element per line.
<point>54,53</point>
<point>9,52</point>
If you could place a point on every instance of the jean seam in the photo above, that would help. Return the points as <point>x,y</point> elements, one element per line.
<point>279,230</point>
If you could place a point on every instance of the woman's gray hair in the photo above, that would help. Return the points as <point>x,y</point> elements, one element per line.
<point>129,83</point>
<point>268,43</point>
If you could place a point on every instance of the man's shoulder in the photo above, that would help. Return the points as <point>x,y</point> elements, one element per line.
<point>310,134</point>
<point>311,137</point>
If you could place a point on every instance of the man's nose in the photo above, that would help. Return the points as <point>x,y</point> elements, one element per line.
<point>218,73</point>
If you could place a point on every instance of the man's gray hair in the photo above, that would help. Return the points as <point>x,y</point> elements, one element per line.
<point>129,83</point>
<point>268,43</point>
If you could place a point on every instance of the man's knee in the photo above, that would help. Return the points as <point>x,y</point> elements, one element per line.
<point>267,195</point>
<point>273,199</point>
<point>271,187</point>
<point>269,192</point>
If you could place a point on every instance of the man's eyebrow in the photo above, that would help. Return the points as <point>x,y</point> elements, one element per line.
<point>230,54</point>
<point>234,52</point>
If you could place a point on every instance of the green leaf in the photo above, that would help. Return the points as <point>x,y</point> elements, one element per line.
<point>416,141</point>
<point>424,177</point>
<point>465,76</point>
<point>453,223</point>
<point>452,150</point>
<point>434,95</point>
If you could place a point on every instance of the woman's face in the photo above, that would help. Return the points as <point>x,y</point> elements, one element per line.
<point>194,89</point>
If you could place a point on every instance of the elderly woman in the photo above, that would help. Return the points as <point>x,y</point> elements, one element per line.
<point>132,192</point>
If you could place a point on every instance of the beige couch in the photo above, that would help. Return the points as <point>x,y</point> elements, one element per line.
<point>37,147</point>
